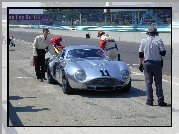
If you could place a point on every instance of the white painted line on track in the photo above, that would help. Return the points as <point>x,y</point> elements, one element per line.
<point>23,77</point>
<point>136,73</point>
<point>174,83</point>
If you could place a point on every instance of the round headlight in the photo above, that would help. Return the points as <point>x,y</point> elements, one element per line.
<point>125,75</point>
<point>80,75</point>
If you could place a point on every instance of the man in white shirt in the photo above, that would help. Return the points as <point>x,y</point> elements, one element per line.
<point>40,44</point>
<point>151,50</point>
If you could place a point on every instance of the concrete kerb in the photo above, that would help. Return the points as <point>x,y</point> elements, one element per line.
<point>135,37</point>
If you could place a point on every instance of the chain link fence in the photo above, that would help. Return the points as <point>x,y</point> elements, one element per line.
<point>97,17</point>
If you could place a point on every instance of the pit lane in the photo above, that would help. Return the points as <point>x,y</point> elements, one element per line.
<point>39,104</point>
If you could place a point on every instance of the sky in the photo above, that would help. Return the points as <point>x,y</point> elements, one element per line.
<point>25,11</point>
<point>131,3</point>
<point>23,4</point>
<point>20,4</point>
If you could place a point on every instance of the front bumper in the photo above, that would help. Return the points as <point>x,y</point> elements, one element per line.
<point>98,85</point>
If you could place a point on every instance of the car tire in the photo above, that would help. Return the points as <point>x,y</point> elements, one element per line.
<point>65,85</point>
<point>50,78</point>
<point>127,88</point>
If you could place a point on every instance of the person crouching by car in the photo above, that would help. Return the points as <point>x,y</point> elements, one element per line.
<point>40,44</point>
<point>108,44</point>
<point>56,42</point>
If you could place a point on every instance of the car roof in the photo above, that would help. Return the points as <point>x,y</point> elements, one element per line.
<point>81,47</point>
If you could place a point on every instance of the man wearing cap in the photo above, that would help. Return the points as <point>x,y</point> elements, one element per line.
<point>108,44</point>
<point>151,50</point>
<point>40,44</point>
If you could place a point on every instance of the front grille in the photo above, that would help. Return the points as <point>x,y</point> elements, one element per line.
<point>104,82</point>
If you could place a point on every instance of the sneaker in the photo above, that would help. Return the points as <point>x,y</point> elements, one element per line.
<point>162,104</point>
<point>149,103</point>
<point>44,78</point>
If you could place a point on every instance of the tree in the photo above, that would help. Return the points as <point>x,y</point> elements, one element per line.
<point>71,15</point>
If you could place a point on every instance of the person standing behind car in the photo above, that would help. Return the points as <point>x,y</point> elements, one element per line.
<point>40,44</point>
<point>151,50</point>
<point>108,44</point>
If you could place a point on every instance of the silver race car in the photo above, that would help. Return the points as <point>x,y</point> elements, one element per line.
<point>87,67</point>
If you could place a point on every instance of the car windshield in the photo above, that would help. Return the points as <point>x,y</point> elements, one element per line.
<point>85,53</point>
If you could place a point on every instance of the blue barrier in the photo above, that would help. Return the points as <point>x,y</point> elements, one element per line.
<point>107,28</point>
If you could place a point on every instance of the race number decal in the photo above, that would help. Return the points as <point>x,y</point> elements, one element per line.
<point>104,72</point>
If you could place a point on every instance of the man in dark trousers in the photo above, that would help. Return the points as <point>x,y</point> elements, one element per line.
<point>151,50</point>
<point>40,44</point>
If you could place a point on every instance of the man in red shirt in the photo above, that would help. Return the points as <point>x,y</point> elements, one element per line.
<point>108,44</point>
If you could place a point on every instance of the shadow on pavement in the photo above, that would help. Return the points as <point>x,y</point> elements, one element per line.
<point>12,111</point>
<point>18,97</point>
<point>134,92</point>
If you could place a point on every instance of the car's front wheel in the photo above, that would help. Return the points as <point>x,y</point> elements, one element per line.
<point>127,88</point>
<point>50,78</point>
<point>65,85</point>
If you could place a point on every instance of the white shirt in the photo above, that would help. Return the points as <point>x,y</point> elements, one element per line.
<point>151,48</point>
<point>41,43</point>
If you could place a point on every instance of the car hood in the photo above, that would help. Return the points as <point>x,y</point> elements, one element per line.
<point>97,67</point>
<point>94,62</point>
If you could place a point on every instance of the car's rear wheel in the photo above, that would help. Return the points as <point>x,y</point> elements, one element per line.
<point>50,78</point>
<point>127,88</point>
<point>65,85</point>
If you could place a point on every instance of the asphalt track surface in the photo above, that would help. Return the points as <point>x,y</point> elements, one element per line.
<point>34,103</point>
<point>128,51</point>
